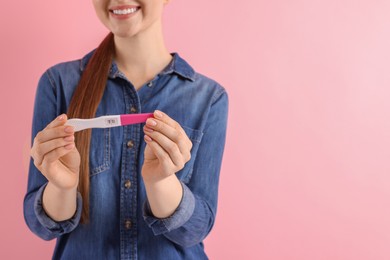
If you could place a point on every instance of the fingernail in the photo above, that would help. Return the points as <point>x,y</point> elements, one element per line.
<point>61,117</point>
<point>158,114</point>
<point>151,122</point>
<point>68,129</point>
<point>147,138</point>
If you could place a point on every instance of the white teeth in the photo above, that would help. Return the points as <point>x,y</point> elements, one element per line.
<point>125,11</point>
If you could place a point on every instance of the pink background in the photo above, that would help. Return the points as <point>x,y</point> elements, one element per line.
<point>306,168</point>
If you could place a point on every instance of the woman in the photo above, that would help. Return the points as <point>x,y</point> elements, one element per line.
<point>144,191</point>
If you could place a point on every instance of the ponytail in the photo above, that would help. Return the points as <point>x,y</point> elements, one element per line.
<point>84,104</point>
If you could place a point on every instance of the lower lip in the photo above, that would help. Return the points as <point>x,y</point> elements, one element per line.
<point>123,16</point>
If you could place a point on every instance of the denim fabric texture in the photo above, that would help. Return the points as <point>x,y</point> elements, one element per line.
<point>121,224</point>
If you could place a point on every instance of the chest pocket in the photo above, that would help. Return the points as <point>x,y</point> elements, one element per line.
<point>196,137</point>
<point>100,151</point>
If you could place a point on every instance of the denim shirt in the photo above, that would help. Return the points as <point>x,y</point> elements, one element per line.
<point>121,224</point>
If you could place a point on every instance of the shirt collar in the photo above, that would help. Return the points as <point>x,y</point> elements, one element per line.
<point>177,65</point>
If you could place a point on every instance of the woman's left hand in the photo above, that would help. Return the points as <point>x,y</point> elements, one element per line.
<point>168,147</point>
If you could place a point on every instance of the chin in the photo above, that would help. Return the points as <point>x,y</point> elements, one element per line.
<point>124,34</point>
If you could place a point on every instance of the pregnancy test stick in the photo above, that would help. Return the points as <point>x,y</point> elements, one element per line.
<point>108,121</point>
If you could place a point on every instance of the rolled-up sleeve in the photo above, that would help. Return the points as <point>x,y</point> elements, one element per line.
<point>181,215</point>
<point>45,110</point>
<point>195,215</point>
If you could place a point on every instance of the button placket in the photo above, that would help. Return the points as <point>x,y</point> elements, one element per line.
<point>128,198</point>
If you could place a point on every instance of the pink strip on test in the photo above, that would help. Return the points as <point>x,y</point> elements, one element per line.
<point>135,118</point>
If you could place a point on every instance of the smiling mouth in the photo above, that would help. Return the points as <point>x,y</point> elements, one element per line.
<point>124,11</point>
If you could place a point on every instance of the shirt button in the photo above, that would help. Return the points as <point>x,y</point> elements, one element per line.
<point>127,224</point>
<point>150,84</point>
<point>127,184</point>
<point>133,110</point>
<point>130,144</point>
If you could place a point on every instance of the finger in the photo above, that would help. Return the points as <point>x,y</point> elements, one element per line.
<point>159,115</point>
<point>43,149</point>
<point>174,134</point>
<point>157,125</point>
<point>160,153</point>
<point>169,147</point>
<point>53,133</point>
<point>57,153</point>
<point>60,120</point>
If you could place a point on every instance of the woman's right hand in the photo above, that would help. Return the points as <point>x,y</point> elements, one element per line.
<point>55,154</point>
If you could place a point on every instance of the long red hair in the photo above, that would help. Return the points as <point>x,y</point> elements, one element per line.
<point>84,104</point>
